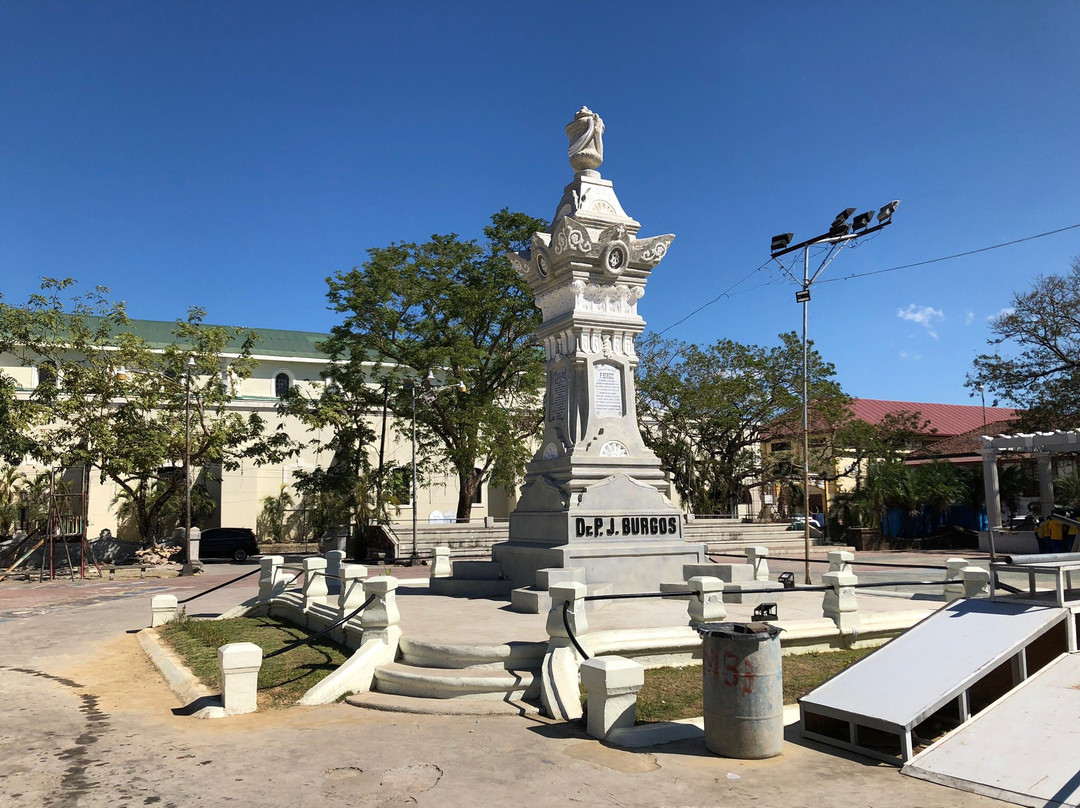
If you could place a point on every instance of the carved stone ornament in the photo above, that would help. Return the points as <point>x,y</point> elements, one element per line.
<point>571,236</point>
<point>650,251</point>
<point>551,451</point>
<point>521,266</point>
<point>586,133</point>
<point>614,449</point>
<point>615,258</point>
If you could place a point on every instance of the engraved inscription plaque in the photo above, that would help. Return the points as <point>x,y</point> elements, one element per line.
<point>558,396</point>
<point>608,393</point>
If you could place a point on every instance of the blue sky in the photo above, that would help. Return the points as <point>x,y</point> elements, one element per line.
<point>233,155</point>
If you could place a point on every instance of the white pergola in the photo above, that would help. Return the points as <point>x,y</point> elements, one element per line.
<point>1042,446</point>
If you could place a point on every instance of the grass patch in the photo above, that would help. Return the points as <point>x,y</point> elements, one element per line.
<point>282,679</point>
<point>673,693</point>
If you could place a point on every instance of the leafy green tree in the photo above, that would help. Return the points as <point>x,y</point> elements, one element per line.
<point>456,309</point>
<point>1042,377</point>
<point>705,410</point>
<point>109,400</point>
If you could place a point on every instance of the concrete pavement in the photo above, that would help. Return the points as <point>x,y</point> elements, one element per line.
<point>85,721</point>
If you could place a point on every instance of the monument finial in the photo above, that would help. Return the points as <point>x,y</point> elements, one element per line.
<point>586,133</point>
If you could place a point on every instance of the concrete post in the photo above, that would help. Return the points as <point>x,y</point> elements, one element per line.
<point>163,610</point>
<point>440,566</point>
<point>1046,484</point>
<point>840,560</point>
<point>239,663</point>
<point>271,580</point>
<point>954,589</point>
<point>612,684</point>
<point>351,593</point>
<point>992,488</point>
<point>559,686</point>
<point>706,600</point>
<point>976,582</point>
<point>758,558</point>
<point>380,620</point>
<point>334,561</point>
<point>839,602</point>
<point>315,589</point>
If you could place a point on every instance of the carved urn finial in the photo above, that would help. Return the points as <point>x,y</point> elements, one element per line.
<point>586,133</point>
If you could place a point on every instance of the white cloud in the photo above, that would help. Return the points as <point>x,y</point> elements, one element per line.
<point>914,357</point>
<point>1002,313</point>
<point>969,318</point>
<point>923,315</point>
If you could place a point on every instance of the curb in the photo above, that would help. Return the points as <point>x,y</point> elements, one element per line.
<point>183,683</point>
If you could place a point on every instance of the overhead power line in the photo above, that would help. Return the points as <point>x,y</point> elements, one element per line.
<point>727,292</point>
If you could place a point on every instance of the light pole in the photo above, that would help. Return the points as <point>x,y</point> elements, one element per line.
<point>982,395</point>
<point>189,562</point>
<point>841,232</point>
<point>430,390</point>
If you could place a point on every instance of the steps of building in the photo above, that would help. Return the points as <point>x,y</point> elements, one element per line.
<point>390,702</point>
<point>507,656</point>
<point>451,683</point>
<point>471,587</point>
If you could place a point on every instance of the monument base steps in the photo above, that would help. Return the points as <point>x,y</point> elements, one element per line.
<point>534,600</point>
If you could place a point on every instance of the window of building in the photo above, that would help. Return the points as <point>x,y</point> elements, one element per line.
<point>780,447</point>
<point>478,497</point>
<point>282,383</point>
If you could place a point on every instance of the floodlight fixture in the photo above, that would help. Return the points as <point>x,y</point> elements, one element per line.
<point>887,211</point>
<point>862,221</point>
<point>840,226</point>
<point>781,241</point>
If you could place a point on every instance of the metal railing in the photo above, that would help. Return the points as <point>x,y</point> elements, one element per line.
<point>311,638</point>
<point>219,586</point>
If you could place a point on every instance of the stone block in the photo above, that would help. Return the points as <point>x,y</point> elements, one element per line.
<point>733,592</point>
<point>440,565</point>
<point>239,663</point>
<point>163,609</point>
<point>757,557</point>
<point>612,685</point>
<point>547,577</point>
<point>731,573</point>
<point>706,600</point>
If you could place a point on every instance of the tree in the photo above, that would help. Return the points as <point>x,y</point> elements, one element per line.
<point>458,310</point>
<point>107,399</point>
<point>704,411</point>
<point>1043,377</point>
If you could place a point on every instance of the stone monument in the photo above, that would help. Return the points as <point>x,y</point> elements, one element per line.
<point>594,506</point>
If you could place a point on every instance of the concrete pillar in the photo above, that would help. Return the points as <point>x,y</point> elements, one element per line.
<point>315,589</point>
<point>706,600</point>
<point>351,593</point>
<point>1046,484</point>
<point>976,582</point>
<point>840,560</point>
<point>163,610</point>
<point>380,620</point>
<point>440,566</point>
<point>992,488</point>
<point>559,686</point>
<point>271,579</point>
<point>239,663</point>
<point>758,558</point>
<point>954,569</point>
<point>612,684</point>
<point>334,560</point>
<point>839,602</point>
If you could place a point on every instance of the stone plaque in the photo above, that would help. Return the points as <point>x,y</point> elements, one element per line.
<point>558,396</point>
<point>608,392</point>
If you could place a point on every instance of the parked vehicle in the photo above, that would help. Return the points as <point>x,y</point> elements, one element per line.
<point>236,543</point>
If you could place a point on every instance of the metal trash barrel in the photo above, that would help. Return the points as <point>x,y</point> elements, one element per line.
<point>743,689</point>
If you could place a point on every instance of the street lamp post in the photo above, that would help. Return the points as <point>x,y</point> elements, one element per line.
<point>841,232</point>
<point>189,562</point>
<point>430,390</point>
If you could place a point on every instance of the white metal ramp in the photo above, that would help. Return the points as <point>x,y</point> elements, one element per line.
<point>935,676</point>
<point>1022,750</point>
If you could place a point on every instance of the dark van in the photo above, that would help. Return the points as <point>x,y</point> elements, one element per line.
<point>236,543</point>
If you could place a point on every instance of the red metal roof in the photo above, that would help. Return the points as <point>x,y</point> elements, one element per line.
<point>945,420</point>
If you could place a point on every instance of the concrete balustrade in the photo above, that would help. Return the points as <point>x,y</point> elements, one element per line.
<point>440,565</point>
<point>559,689</point>
<point>612,684</point>
<point>706,600</point>
<point>976,582</point>
<point>839,603</point>
<point>271,576</point>
<point>954,576</point>
<point>239,663</point>
<point>758,559</point>
<point>334,561</point>
<point>315,589</point>
<point>379,621</point>
<point>163,609</point>
<point>351,591</point>
<point>840,560</point>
